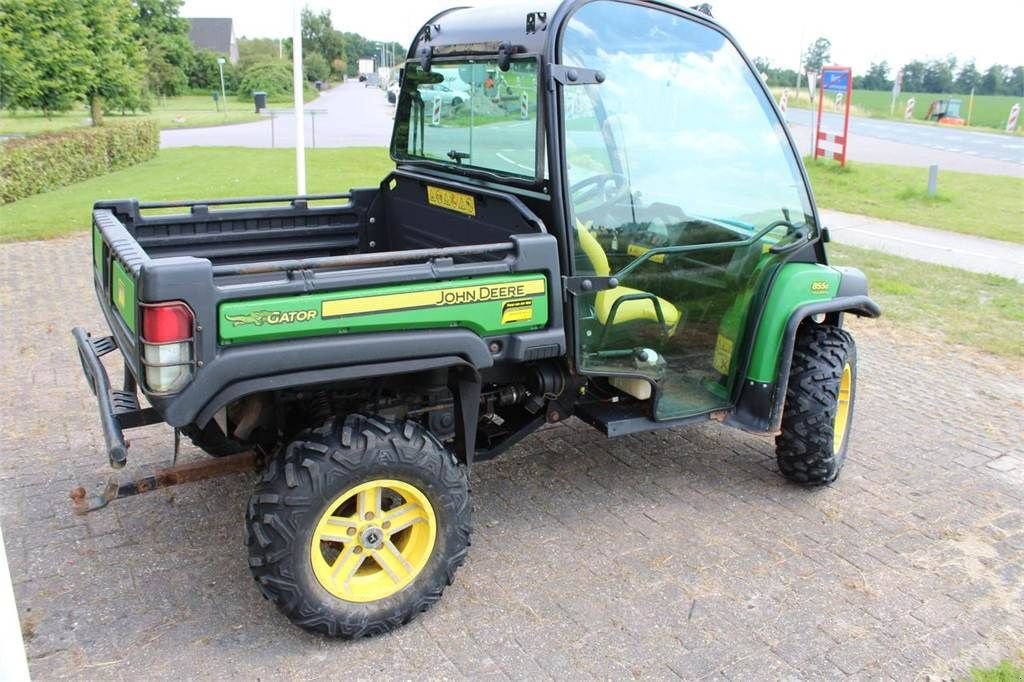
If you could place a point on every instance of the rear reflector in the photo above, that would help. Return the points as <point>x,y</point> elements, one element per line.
<point>166,322</point>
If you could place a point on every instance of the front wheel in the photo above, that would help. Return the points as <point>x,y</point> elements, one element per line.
<point>358,526</point>
<point>818,413</point>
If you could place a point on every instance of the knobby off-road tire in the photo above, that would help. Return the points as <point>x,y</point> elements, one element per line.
<point>314,492</point>
<point>819,405</point>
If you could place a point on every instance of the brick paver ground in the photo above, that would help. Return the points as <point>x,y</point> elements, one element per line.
<point>678,553</point>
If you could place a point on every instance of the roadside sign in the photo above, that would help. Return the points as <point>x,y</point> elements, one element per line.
<point>835,79</point>
<point>1011,123</point>
<point>839,101</point>
<point>897,85</point>
<point>435,116</point>
<point>908,113</point>
<point>784,100</point>
<point>524,106</point>
<point>812,81</point>
<point>832,144</point>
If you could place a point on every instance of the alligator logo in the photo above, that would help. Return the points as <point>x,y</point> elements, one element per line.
<point>261,317</point>
<point>256,317</point>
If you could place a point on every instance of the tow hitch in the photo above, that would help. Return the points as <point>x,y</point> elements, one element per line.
<point>83,503</point>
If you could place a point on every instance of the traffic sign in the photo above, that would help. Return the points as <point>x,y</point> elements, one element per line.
<point>833,144</point>
<point>1011,123</point>
<point>524,106</point>
<point>835,79</point>
<point>784,100</point>
<point>908,113</point>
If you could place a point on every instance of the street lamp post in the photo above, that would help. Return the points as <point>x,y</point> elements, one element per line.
<point>223,95</point>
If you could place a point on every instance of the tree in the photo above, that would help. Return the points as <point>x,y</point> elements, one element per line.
<point>204,72</point>
<point>913,74</point>
<point>1015,83</point>
<point>817,55</point>
<point>877,77</point>
<point>45,54</point>
<point>938,75</point>
<point>117,62</point>
<point>165,35</point>
<point>320,37</point>
<point>968,78</point>
<point>316,67</point>
<point>994,81</point>
<point>257,50</point>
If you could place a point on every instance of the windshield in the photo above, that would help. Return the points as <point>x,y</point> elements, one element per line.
<point>470,114</point>
<point>680,120</point>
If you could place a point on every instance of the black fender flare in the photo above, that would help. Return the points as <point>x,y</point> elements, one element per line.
<point>759,408</point>
<point>302,362</point>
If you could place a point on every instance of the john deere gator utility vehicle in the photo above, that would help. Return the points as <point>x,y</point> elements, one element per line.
<point>613,223</point>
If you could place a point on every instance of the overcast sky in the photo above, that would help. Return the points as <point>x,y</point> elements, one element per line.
<point>861,31</point>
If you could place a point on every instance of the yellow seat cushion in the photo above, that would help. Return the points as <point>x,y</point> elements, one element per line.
<point>638,309</point>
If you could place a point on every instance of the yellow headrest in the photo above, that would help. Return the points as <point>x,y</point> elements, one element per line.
<point>593,249</point>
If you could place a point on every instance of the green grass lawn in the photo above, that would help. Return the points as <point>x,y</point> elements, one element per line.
<point>1007,671</point>
<point>984,205</point>
<point>944,303</point>
<point>171,112</point>
<point>189,111</point>
<point>193,173</point>
<point>990,111</point>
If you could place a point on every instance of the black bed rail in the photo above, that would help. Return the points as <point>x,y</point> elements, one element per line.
<point>379,258</point>
<point>292,198</point>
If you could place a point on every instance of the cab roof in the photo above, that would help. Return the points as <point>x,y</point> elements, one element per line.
<point>525,25</point>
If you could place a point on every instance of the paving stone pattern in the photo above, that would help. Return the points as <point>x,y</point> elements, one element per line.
<point>672,554</point>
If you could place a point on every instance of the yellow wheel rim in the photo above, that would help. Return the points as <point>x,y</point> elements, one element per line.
<point>842,409</point>
<point>373,540</point>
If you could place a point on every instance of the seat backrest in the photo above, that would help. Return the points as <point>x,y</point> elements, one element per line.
<point>592,249</point>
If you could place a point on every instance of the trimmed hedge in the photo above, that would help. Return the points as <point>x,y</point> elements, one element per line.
<point>46,162</point>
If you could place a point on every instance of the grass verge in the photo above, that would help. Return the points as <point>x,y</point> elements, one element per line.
<point>983,205</point>
<point>1006,671</point>
<point>990,112</point>
<point>935,301</point>
<point>193,173</point>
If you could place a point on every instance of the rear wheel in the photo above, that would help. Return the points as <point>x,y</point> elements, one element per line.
<point>358,526</point>
<point>818,413</point>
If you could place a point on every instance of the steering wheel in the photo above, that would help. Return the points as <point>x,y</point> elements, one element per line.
<point>597,187</point>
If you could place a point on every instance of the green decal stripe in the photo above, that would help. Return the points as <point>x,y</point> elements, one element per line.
<point>97,248</point>
<point>484,305</point>
<point>122,293</point>
<point>795,285</point>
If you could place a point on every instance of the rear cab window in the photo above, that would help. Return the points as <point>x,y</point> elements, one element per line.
<point>470,114</point>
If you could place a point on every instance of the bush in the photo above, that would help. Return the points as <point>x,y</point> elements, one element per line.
<point>50,161</point>
<point>273,78</point>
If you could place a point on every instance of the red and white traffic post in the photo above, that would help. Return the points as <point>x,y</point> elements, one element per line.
<point>833,144</point>
<point>1011,123</point>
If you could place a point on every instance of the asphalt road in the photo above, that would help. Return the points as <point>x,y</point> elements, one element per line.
<point>354,115</point>
<point>915,144</point>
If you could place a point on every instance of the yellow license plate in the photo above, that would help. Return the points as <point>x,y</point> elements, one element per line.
<point>453,201</point>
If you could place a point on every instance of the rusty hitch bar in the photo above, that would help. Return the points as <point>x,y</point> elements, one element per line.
<point>82,503</point>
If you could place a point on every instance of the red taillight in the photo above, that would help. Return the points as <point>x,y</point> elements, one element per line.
<point>167,352</point>
<point>166,323</point>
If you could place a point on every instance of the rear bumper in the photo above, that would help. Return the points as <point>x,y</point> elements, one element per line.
<point>119,409</point>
